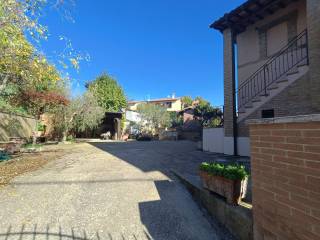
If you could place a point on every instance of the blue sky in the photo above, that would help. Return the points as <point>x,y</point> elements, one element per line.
<point>153,48</point>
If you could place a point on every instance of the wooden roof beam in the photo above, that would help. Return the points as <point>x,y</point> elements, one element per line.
<point>282,5</point>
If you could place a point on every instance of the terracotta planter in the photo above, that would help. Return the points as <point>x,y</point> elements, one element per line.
<point>232,190</point>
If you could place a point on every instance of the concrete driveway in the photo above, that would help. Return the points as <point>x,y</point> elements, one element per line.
<point>108,191</point>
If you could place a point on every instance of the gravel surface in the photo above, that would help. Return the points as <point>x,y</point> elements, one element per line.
<point>107,191</point>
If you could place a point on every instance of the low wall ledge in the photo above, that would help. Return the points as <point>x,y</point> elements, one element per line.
<point>289,119</point>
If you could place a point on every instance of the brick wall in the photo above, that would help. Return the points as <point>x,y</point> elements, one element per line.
<point>296,99</point>
<point>228,65</point>
<point>286,180</point>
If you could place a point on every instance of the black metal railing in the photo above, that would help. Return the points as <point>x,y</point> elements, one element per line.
<point>292,55</point>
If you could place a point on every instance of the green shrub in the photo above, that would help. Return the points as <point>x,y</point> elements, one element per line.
<point>41,127</point>
<point>233,172</point>
<point>30,145</point>
<point>70,138</point>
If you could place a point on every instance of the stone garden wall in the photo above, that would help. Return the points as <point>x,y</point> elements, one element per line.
<point>15,126</point>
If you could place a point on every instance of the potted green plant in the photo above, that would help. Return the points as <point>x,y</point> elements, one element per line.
<point>229,181</point>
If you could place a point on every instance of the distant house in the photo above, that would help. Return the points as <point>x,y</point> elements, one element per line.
<point>171,104</point>
<point>271,64</point>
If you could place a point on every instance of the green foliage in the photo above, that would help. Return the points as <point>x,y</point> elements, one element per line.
<point>81,114</point>
<point>70,138</point>
<point>233,172</point>
<point>5,106</point>
<point>87,114</point>
<point>23,68</point>
<point>31,145</point>
<point>213,123</point>
<point>207,114</point>
<point>41,127</point>
<point>108,92</point>
<point>175,120</point>
<point>186,101</point>
<point>153,117</point>
<point>201,101</point>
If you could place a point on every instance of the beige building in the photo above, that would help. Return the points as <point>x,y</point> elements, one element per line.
<point>171,104</point>
<point>271,64</point>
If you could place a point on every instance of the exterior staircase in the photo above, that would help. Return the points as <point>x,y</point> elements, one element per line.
<point>287,66</point>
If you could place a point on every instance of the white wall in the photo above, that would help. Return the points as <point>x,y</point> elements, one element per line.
<point>215,141</point>
<point>132,116</point>
<point>244,146</point>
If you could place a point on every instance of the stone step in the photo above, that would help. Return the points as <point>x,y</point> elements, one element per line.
<point>241,110</point>
<point>272,86</point>
<point>282,79</point>
<point>303,63</point>
<point>263,94</point>
<point>256,99</point>
<point>249,105</point>
<point>294,70</point>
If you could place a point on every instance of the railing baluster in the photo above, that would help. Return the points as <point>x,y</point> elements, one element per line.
<point>307,47</point>
<point>273,69</point>
<point>265,82</point>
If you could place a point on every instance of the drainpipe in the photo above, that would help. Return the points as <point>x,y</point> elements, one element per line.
<point>235,122</point>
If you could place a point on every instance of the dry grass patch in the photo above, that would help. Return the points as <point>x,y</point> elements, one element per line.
<point>28,162</point>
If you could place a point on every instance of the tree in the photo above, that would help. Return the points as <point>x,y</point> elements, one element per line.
<point>39,103</point>
<point>207,114</point>
<point>201,101</point>
<point>37,90</point>
<point>186,101</point>
<point>82,113</point>
<point>19,20</point>
<point>23,69</point>
<point>176,120</point>
<point>108,92</point>
<point>153,117</point>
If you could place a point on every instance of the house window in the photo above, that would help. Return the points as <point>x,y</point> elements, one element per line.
<point>169,104</point>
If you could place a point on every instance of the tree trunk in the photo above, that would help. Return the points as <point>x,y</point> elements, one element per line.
<point>64,136</point>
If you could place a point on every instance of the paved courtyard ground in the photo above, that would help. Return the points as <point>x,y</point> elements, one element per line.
<point>108,191</point>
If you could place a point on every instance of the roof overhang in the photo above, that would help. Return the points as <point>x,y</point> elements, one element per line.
<point>155,100</point>
<point>249,13</point>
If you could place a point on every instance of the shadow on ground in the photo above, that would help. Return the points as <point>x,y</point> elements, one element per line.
<point>164,218</point>
<point>174,216</point>
<point>48,233</point>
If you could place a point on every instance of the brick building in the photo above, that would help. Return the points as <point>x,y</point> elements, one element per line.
<point>285,168</point>
<point>271,64</point>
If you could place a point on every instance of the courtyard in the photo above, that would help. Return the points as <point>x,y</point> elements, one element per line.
<point>109,190</point>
